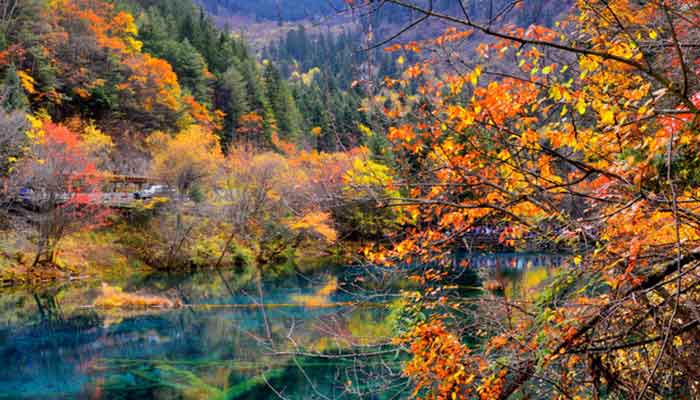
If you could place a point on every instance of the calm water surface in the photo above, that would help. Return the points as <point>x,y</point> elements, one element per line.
<point>54,345</point>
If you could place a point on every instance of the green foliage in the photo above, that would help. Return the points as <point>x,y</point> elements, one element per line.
<point>241,256</point>
<point>206,250</point>
<point>281,101</point>
<point>190,66</point>
<point>12,95</point>
<point>196,194</point>
<point>232,95</point>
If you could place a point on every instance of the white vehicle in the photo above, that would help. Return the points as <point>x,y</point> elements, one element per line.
<point>151,192</point>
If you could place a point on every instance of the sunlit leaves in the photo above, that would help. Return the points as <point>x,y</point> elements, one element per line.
<point>188,159</point>
<point>27,81</point>
<point>318,222</point>
<point>152,82</point>
<point>593,151</point>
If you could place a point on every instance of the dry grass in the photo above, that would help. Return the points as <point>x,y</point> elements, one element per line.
<point>115,297</point>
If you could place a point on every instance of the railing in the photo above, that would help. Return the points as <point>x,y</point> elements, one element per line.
<point>108,199</point>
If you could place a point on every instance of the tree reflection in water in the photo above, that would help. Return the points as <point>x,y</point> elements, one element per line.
<point>324,336</point>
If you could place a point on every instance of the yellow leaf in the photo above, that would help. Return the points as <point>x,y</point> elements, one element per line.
<point>317,222</point>
<point>474,76</point>
<point>653,35</point>
<point>581,106</point>
<point>27,82</point>
<point>608,116</point>
<point>365,130</point>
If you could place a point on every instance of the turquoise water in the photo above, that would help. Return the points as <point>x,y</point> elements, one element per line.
<point>55,345</point>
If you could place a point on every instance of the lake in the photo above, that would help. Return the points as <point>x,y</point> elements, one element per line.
<point>223,344</point>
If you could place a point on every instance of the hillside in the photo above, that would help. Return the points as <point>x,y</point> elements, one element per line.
<point>383,15</point>
<point>275,10</point>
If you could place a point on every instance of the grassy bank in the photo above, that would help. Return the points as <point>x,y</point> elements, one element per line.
<point>122,250</point>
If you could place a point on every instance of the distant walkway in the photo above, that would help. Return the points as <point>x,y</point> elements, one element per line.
<point>113,199</point>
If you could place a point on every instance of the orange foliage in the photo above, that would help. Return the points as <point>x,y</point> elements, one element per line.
<point>596,151</point>
<point>152,82</point>
<point>441,366</point>
<point>250,126</point>
<point>89,43</point>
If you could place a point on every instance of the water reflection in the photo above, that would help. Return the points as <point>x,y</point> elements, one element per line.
<point>519,275</point>
<point>223,346</point>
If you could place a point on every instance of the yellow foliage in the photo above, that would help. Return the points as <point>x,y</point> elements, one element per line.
<point>329,288</point>
<point>35,133</point>
<point>96,142</point>
<point>365,130</point>
<point>367,175</point>
<point>115,297</point>
<point>317,222</point>
<point>322,296</point>
<point>27,82</point>
<point>192,156</point>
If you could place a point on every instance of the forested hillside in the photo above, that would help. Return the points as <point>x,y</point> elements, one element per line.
<point>540,11</point>
<point>138,66</point>
<point>152,88</point>
<point>278,10</point>
<point>330,75</point>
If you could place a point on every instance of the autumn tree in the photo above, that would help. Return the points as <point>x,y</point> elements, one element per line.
<point>187,163</point>
<point>582,134</point>
<point>251,129</point>
<point>270,204</point>
<point>64,187</point>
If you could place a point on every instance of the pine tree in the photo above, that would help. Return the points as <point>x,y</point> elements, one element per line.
<point>282,103</point>
<point>233,96</point>
<point>254,85</point>
<point>13,96</point>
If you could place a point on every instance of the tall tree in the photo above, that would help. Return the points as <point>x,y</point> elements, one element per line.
<point>233,99</point>
<point>281,102</point>
<point>64,184</point>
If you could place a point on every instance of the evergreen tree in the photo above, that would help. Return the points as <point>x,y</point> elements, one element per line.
<point>254,85</point>
<point>283,105</point>
<point>232,99</point>
<point>13,96</point>
<point>188,63</point>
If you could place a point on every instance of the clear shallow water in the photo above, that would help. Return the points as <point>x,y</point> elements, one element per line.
<point>54,345</point>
